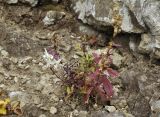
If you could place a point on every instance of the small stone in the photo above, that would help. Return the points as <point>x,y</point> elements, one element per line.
<point>83,114</point>
<point>110,108</point>
<point>34,61</point>
<point>14,60</point>
<point>123,103</point>
<point>155,106</point>
<point>41,64</point>
<point>117,59</point>
<point>55,1</point>
<point>42,115</point>
<point>4,53</point>
<point>15,79</point>
<point>75,113</point>
<point>95,106</point>
<point>11,1</point>
<point>53,110</point>
<point>146,44</point>
<point>52,16</point>
<point>1,48</point>
<point>73,106</point>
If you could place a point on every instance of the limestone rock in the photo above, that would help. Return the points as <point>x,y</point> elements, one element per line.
<point>11,1</point>
<point>146,45</point>
<point>110,108</point>
<point>53,110</point>
<point>102,14</point>
<point>52,16</point>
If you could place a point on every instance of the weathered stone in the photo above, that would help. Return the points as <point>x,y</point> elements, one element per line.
<point>105,114</point>
<point>110,108</point>
<point>4,53</point>
<point>11,1</point>
<point>53,16</point>
<point>53,110</point>
<point>42,115</point>
<point>101,14</point>
<point>82,114</point>
<point>151,16</point>
<point>146,45</point>
<point>155,106</point>
<point>93,12</point>
<point>117,59</point>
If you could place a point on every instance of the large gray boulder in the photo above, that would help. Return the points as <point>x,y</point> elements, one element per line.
<point>151,17</point>
<point>101,14</point>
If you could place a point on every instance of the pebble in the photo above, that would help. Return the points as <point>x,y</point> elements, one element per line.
<point>75,113</point>
<point>155,106</point>
<point>53,110</point>
<point>52,16</point>
<point>4,53</point>
<point>16,79</point>
<point>110,108</point>
<point>14,60</point>
<point>83,113</point>
<point>11,1</point>
<point>1,48</point>
<point>42,115</point>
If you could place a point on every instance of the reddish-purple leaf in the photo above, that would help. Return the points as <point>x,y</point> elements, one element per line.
<point>95,74</point>
<point>97,58</point>
<point>107,86</point>
<point>87,95</point>
<point>102,94</point>
<point>112,73</point>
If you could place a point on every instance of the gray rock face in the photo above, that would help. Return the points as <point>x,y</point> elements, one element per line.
<point>151,16</point>
<point>101,14</point>
<point>94,12</point>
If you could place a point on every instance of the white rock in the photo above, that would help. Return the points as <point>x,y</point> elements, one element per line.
<point>117,59</point>
<point>110,108</point>
<point>42,115</point>
<point>4,53</point>
<point>14,60</point>
<point>83,113</point>
<point>155,106</point>
<point>53,110</point>
<point>75,113</point>
<point>52,16</point>
<point>1,48</point>
<point>11,1</point>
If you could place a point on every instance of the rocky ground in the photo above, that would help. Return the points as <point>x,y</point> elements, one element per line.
<point>27,28</point>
